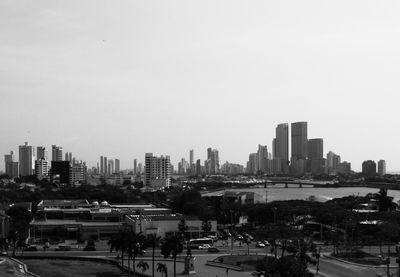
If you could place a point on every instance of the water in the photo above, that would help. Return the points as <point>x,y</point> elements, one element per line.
<point>321,194</point>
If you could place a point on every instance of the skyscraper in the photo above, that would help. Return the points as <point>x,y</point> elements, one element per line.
<point>105,163</point>
<point>117,166</point>
<point>299,148</point>
<point>281,148</point>
<point>213,157</point>
<point>135,166</point>
<point>110,166</point>
<point>101,165</point>
<point>42,153</point>
<point>315,150</point>
<point>26,159</point>
<point>369,168</point>
<point>11,166</point>
<point>157,171</point>
<point>56,153</point>
<point>262,156</point>
<point>41,169</point>
<point>381,167</point>
<point>191,158</point>
<point>332,163</point>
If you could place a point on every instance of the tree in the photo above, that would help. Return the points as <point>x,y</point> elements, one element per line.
<point>20,218</point>
<point>182,227</point>
<point>162,268</point>
<point>135,247</point>
<point>385,202</point>
<point>153,241</point>
<point>171,247</point>
<point>117,243</point>
<point>206,227</point>
<point>143,266</point>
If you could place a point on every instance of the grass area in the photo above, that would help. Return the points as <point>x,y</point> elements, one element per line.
<point>247,262</point>
<point>64,268</point>
<point>9,269</point>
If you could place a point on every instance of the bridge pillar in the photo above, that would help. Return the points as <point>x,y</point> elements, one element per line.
<point>286,185</point>
<point>300,185</point>
<point>265,185</point>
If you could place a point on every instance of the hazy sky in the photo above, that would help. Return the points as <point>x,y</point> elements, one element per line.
<point>121,78</point>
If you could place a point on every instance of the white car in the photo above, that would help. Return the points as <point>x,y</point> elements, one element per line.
<point>260,244</point>
<point>204,246</point>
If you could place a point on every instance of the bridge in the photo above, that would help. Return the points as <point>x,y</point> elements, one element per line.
<point>299,183</point>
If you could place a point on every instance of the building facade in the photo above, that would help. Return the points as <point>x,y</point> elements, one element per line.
<point>157,171</point>
<point>26,159</point>
<point>381,167</point>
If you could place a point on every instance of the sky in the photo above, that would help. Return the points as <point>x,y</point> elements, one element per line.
<point>122,78</point>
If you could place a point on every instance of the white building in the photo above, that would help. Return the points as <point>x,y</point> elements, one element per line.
<point>157,171</point>
<point>42,169</point>
<point>382,167</point>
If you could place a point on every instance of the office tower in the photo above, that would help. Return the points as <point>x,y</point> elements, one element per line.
<point>262,156</point>
<point>252,165</point>
<point>281,148</point>
<point>198,167</point>
<point>332,163</point>
<point>41,169</point>
<point>157,171</point>
<point>101,165</point>
<point>56,153</point>
<point>68,156</point>
<point>299,148</point>
<point>42,153</point>
<point>11,166</point>
<point>140,168</point>
<point>135,166</point>
<point>60,172</point>
<point>26,159</point>
<point>117,166</point>
<point>111,167</point>
<point>78,173</point>
<point>213,157</point>
<point>191,159</point>
<point>315,150</point>
<point>105,163</point>
<point>369,168</point>
<point>183,166</point>
<point>381,167</point>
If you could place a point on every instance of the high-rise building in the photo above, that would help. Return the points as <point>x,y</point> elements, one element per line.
<point>26,159</point>
<point>299,148</point>
<point>56,153</point>
<point>101,165</point>
<point>117,166</point>
<point>262,156</point>
<point>198,167</point>
<point>191,158</point>
<point>135,166</point>
<point>42,153</point>
<point>332,163</point>
<point>252,164</point>
<point>157,171</point>
<point>110,166</point>
<point>11,166</point>
<point>344,168</point>
<point>213,156</point>
<point>78,173</point>
<point>369,168</point>
<point>315,162</point>
<point>281,148</point>
<point>381,167</point>
<point>41,169</point>
<point>105,163</point>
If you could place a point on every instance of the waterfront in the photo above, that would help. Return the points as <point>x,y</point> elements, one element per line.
<point>293,192</point>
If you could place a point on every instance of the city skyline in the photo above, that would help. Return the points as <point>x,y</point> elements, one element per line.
<point>121,80</point>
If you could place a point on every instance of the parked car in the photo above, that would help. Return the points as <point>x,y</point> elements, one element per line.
<point>204,246</point>
<point>89,248</point>
<point>63,248</point>
<point>213,250</point>
<point>266,242</point>
<point>31,248</point>
<point>260,244</point>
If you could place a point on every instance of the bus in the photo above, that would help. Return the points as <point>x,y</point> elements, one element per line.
<point>195,243</point>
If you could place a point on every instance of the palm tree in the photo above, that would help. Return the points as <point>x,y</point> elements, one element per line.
<point>162,268</point>
<point>117,243</point>
<point>153,240</point>
<point>143,266</point>
<point>172,246</point>
<point>206,227</point>
<point>135,247</point>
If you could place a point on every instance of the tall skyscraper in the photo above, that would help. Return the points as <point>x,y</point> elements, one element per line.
<point>105,163</point>
<point>135,166</point>
<point>381,167</point>
<point>315,150</point>
<point>110,167</point>
<point>101,165</point>
<point>262,156</point>
<point>56,153</point>
<point>26,159</point>
<point>191,158</point>
<point>252,164</point>
<point>157,171</point>
<point>213,157</point>
<point>332,163</point>
<point>299,148</point>
<point>117,166</point>
<point>11,166</point>
<point>42,153</point>
<point>281,148</point>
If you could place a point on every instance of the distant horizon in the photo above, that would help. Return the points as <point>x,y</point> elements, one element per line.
<point>120,80</point>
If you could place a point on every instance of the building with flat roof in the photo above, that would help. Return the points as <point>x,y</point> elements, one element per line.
<point>369,168</point>
<point>381,167</point>
<point>26,159</point>
<point>157,171</point>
